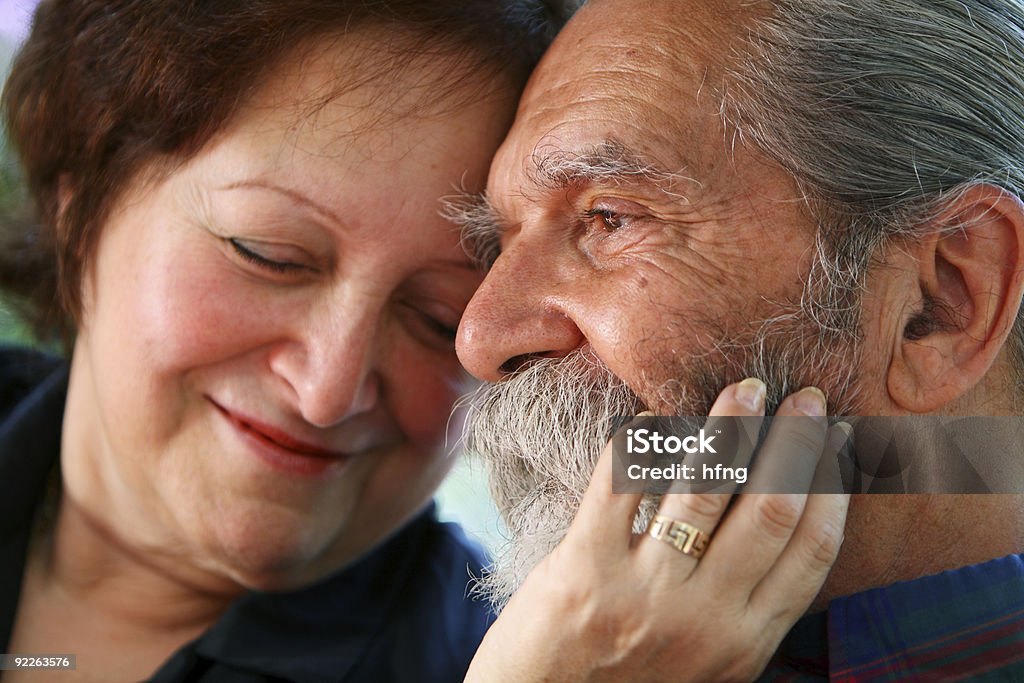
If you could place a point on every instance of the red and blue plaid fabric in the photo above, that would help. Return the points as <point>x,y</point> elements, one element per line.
<point>965,624</point>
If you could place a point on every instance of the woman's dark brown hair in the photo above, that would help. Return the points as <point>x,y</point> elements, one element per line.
<point>101,88</point>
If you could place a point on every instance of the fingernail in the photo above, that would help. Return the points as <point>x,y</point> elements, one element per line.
<point>645,413</point>
<point>810,401</point>
<point>751,392</point>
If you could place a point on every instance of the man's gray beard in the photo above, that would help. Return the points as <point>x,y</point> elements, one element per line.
<point>540,434</point>
<point>541,431</point>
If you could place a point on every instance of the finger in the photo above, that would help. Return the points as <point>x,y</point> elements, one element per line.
<point>797,577</point>
<point>835,469</point>
<point>605,518</point>
<point>735,421</point>
<point>760,525</point>
<point>703,511</point>
<point>787,461</point>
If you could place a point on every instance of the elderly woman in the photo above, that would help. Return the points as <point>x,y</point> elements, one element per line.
<point>238,234</point>
<point>239,226</point>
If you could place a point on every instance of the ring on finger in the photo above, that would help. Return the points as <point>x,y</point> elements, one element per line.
<point>686,538</point>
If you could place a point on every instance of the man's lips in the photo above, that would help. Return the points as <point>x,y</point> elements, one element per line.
<point>277,437</point>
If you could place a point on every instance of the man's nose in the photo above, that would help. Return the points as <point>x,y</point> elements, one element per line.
<point>517,314</point>
<point>329,365</point>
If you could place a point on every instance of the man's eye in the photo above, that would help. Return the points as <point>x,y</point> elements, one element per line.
<point>252,255</point>
<point>607,219</point>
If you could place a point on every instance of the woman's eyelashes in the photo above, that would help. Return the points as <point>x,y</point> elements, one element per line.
<point>437,329</point>
<point>441,329</point>
<point>260,257</point>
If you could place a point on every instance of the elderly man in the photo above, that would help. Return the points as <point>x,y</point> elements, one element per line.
<point>811,192</point>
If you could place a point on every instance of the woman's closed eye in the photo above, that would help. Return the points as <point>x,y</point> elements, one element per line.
<point>440,328</point>
<point>269,257</point>
<point>434,323</point>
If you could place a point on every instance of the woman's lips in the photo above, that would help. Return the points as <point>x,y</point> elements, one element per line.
<point>280,449</point>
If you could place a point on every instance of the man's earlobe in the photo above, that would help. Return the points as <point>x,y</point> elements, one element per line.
<point>971,279</point>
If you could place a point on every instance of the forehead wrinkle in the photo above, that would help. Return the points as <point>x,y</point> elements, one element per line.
<point>616,88</point>
<point>656,29</point>
<point>601,80</point>
<point>570,111</point>
<point>649,48</point>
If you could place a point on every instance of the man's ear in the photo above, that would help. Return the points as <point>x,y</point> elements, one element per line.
<point>971,280</point>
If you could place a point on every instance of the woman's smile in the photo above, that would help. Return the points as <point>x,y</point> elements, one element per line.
<point>283,451</point>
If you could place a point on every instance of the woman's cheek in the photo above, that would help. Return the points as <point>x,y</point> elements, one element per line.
<point>204,314</point>
<point>423,386</point>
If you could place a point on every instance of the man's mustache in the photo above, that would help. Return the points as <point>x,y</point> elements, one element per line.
<point>549,408</point>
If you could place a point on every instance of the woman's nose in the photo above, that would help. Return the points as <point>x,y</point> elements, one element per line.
<point>330,364</point>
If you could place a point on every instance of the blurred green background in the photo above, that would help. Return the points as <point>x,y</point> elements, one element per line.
<point>462,498</point>
<point>11,329</point>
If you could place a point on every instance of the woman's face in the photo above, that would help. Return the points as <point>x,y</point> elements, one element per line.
<point>266,364</point>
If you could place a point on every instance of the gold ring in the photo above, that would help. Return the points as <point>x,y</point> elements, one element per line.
<point>686,538</point>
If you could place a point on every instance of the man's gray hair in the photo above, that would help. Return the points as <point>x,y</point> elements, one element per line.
<point>884,111</point>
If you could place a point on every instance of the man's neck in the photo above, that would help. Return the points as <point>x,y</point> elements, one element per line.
<point>901,536</point>
<point>892,538</point>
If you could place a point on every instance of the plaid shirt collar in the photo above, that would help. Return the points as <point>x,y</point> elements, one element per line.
<point>962,624</point>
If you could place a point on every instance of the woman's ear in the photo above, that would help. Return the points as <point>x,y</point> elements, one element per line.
<point>971,279</point>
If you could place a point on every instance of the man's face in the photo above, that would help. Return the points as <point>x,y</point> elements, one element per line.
<point>647,259</point>
<point>631,223</point>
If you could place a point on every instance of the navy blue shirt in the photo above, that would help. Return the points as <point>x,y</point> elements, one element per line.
<point>400,614</point>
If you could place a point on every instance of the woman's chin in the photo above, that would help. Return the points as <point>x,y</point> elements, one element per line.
<point>271,555</point>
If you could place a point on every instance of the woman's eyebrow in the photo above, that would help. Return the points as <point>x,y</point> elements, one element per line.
<point>292,194</point>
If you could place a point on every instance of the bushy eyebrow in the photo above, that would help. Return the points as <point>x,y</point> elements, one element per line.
<point>480,226</point>
<point>609,162</point>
